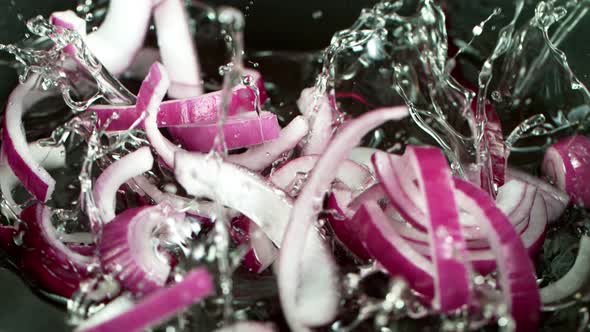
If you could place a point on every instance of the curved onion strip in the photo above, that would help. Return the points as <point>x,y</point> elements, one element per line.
<point>350,173</point>
<point>318,112</point>
<point>14,144</point>
<point>247,327</point>
<point>119,38</point>
<point>206,176</point>
<point>39,227</point>
<point>262,253</point>
<point>392,251</point>
<point>128,251</point>
<point>517,274</point>
<point>567,164</point>
<point>48,157</point>
<point>177,49</point>
<point>573,280</point>
<point>44,259</point>
<point>152,91</point>
<point>119,172</point>
<point>239,131</point>
<point>310,201</point>
<point>260,157</point>
<point>201,109</point>
<point>347,231</point>
<point>153,309</point>
<point>452,281</point>
<point>269,207</point>
<point>555,199</point>
<point>374,193</point>
<point>121,34</point>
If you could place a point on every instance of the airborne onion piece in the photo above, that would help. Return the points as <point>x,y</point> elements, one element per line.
<point>567,164</point>
<point>121,171</point>
<point>177,48</point>
<point>433,177</point>
<point>309,203</point>
<point>200,109</point>
<point>14,144</point>
<point>131,250</point>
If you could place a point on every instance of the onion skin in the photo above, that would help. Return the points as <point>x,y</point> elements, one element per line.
<point>567,164</point>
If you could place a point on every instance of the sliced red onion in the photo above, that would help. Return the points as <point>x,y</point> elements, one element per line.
<point>121,171</point>
<point>448,249</point>
<point>121,34</point>
<point>177,48</point>
<point>318,112</point>
<point>14,144</point>
<point>375,193</point>
<point>152,91</point>
<point>494,139</point>
<point>47,260</point>
<point>153,309</point>
<point>201,109</point>
<point>350,173</point>
<point>69,20</point>
<point>567,164</point>
<point>269,207</point>
<point>260,157</point>
<point>573,280</point>
<point>119,38</point>
<point>392,251</point>
<point>129,247</point>
<point>247,327</point>
<point>309,204</point>
<point>239,131</point>
<point>517,274</point>
<point>556,200</point>
<point>7,243</point>
<point>347,231</point>
<point>235,187</point>
<point>48,157</point>
<point>263,253</point>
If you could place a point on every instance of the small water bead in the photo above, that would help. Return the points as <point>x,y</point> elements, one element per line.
<point>318,14</point>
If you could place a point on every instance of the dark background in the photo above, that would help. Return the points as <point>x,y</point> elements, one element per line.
<point>271,24</point>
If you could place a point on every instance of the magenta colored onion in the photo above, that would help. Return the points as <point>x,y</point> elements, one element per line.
<point>201,109</point>
<point>129,251</point>
<point>239,131</point>
<point>517,274</point>
<point>567,164</point>
<point>155,308</point>
<point>447,246</point>
<point>309,204</point>
<point>14,144</point>
<point>259,157</point>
